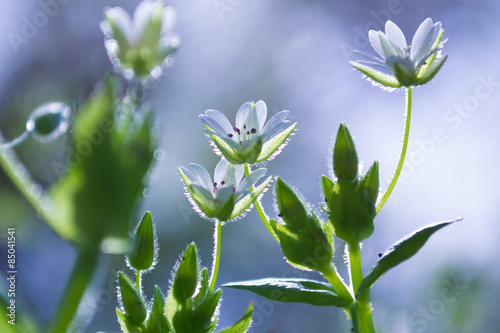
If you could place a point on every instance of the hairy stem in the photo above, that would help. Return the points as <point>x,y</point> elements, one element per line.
<point>403,152</point>
<point>82,274</point>
<point>216,263</point>
<point>338,285</point>
<point>260,210</point>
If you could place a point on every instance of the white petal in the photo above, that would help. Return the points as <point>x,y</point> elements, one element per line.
<point>389,50</point>
<point>375,42</point>
<point>121,19</point>
<point>203,175</point>
<point>419,40</point>
<point>239,172</point>
<point>218,122</point>
<point>261,109</point>
<point>396,37</point>
<point>275,125</point>
<point>168,19</point>
<point>249,181</point>
<point>242,115</point>
<point>142,16</point>
<point>224,172</point>
<point>368,56</point>
<point>190,175</point>
<point>373,64</point>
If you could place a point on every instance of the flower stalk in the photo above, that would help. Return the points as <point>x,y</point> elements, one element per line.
<point>217,251</point>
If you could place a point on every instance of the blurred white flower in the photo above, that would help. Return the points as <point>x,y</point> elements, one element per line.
<point>251,140</point>
<point>141,42</point>
<point>228,196</point>
<point>409,65</point>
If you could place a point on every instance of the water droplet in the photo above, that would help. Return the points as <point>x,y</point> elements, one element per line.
<point>159,154</point>
<point>145,193</point>
<point>49,121</point>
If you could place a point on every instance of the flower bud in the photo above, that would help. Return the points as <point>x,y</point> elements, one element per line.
<point>345,157</point>
<point>368,188</point>
<point>132,301</point>
<point>143,255</point>
<point>186,277</point>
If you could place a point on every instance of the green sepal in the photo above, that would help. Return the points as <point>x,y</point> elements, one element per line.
<point>157,322</point>
<point>292,290</point>
<point>327,185</point>
<point>132,301</point>
<point>349,218</point>
<point>368,188</point>
<point>345,156</point>
<point>244,203</point>
<point>399,252</point>
<point>186,277</point>
<point>204,286</point>
<point>142,256</point>
<point>251,150</point>
<point>243,324</point>
<point>273,145</point>
<point>291,208</point>
<point>204,313</point>
<point>377,76</point>
<point>125,324</point>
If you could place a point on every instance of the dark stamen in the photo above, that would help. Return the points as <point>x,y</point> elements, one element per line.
<point>230,135</point>
<point>248,132</point>
<point>222,182</point>
<point>254,130</point>
<point>215,184</point>
<point>236,129</point>
<point>380,255</point>
<point>245,126</point>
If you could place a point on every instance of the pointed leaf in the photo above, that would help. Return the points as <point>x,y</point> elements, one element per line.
<point>125,325</point>
<point>399,252</point>
<point>292,291</point>
<point>242,325</point>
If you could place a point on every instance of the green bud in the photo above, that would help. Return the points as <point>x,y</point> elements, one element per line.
<point>291,209</point>
<point>345,157</point>
<point>49,121</point>
<point>142,256</point>
<point>186,277</point>
<point>304,240</point>
<point>132,301</point>
<point>368,188</point>
<point>157,322</point>
<point>349,218</point>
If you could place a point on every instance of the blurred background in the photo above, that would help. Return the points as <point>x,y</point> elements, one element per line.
<point>294,55</point>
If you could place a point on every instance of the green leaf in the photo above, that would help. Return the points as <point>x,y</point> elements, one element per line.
<point>203,291</point>
<point>203,314</point>
<point>243,324</point>
<point>143,255</point>
<point>368,188</point>
<point>106,171</point>
<point>292,291</point>
<point>157,315</point>
<point>399,252</point>
<point>125,324</point>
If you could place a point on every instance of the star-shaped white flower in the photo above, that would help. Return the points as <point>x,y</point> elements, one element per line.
<point>228,195</point>
<point>251,139</point>
<point>408,65</point>
<point>143,41</point>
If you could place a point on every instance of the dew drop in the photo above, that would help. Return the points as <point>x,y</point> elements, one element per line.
<point>159,154</point>
<point>49,121</point>
<point>146,192</point>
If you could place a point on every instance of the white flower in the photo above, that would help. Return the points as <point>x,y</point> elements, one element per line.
<point>409,65</point>
<point>143,41</point>
<point>251,140</point>
<point>228,196</point>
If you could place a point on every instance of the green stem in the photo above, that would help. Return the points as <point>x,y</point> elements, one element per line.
<point>403,152</point>
<point>260,210</point>
<point>338,285</point>
<point>363,301</point>
<point>216,263</point>
<point>20,177</point>
<point>138,280</point>
<point>355,266</point>
<point>82,275</point>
